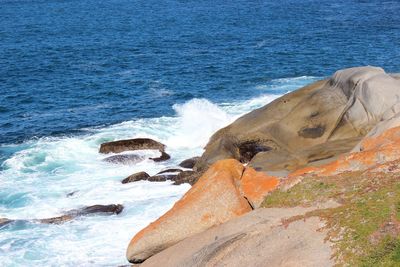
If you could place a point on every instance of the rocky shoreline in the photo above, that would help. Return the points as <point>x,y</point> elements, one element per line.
<point>310,179</point>
<point>239,213</point>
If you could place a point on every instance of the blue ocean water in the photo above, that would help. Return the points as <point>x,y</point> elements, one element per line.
<point>74,74</point>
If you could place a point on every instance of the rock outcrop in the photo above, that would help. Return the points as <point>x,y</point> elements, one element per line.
<point>254,239</point>
<point>198,210</point>
<point>130,145</point>
<point>312,124</point>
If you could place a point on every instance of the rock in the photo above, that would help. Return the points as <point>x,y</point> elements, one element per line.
<point>135,177</point>
<point>131,144</point>
<point>162,177</point>
<point>70,194</point>
<point>254,239</point>
<point>189,163</point>
<point>164,156</point>
<point>189,177</point>
<point>169,174</point>
<point>72,214</point>
<point>309,126</point>
<point>214,199</point>
<point>126,159</point>
<point>256,185</point>
<point>375,151</point>
<point>175,171</point>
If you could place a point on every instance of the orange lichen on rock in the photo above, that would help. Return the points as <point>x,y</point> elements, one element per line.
<point>256,185</point>
<point>373,151</point>
<point>214,199</point>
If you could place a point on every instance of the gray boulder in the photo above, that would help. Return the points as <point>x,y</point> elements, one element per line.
<point>308,126</point>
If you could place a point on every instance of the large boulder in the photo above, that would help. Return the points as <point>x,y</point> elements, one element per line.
<point>311,125</point>
<point>214,199</point>
<point>131,144</point>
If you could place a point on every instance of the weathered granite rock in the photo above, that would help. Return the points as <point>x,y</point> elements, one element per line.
<point>196,211</point>
<point>310,125</point>
<point>256,185</point>
<point>135,177</point>
<point>131,144</point>
<point>257,238</point>
<point>377,148</point>
<point>189,163</point>
<point>126,159</point>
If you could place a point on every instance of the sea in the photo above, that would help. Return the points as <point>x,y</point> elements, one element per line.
<point>75,74</point>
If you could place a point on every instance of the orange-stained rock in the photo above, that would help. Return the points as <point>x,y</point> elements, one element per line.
<point>256,185</point>
<point>373,151</point>
<point>214,199</point>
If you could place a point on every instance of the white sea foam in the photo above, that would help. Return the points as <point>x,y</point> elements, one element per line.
<point>37,178</point>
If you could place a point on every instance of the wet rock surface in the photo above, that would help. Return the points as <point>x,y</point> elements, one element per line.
<point>130,145</point>
<point>189,163</point>
<point>164,156</point>
<point>127,159</point>
<point>170,171</point>
<point>189,177</point>
<point>72,214</point>
<point>136,177</point>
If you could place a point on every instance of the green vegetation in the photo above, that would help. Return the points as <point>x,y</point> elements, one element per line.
<point>365,228</point>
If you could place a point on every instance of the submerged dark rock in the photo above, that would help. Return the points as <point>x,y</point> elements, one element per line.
<point>136,177</point>
<point>189,163</point>
<point>189,177</point>
<point>163,177</point>
<point>170,171</point>
<point>95,209</point>
<point>164,156</point>
<point>127,159</point>
<point>70,194</point>
<point>72,214</point>
<point>130,145</point>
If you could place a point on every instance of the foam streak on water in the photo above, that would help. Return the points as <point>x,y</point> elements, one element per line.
<point>39,174</point>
